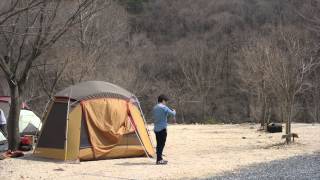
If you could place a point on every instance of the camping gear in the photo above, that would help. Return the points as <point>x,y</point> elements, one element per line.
<point>25,143</point>
<point>93,120</point>
<point>29,124</point>
<point>25,140</point>
<point>274,127</point>
<point>30,138</point>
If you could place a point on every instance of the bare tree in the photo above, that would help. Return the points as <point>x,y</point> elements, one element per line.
<point>313,96</point>
<point>28,29</point>
<point>309,10</point>
<point>48,74</point>
<point>199,66</point>
<point>94,39</point>
<point>285,65</point>
<point>83,49</point>
<point>254,77</point>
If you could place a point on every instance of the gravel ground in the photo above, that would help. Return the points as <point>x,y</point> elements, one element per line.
<point>193,151</point>
<point>299,168</point>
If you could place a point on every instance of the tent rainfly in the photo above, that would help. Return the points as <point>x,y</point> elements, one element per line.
<point>94,120</point>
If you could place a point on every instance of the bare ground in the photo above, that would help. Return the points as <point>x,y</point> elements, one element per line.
<point>303,167</point>
<point>193,151</point>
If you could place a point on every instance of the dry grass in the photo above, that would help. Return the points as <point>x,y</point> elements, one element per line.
<point>193,151</point>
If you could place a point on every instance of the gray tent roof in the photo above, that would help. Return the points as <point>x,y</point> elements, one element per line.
<point>30,130</point>
<point>92,89</point>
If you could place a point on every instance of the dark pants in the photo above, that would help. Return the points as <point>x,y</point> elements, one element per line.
<point>161,137</point>
<point>3,129</point>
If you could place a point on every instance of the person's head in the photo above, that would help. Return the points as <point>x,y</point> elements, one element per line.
<point>163,99</point>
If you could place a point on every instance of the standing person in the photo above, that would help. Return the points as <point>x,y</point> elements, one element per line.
<point>160,116</point>
<point>3,124</point>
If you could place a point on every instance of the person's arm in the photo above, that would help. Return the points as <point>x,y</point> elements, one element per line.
<point>171,111</point>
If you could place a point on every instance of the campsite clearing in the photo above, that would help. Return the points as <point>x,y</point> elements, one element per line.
<point>193,151</point>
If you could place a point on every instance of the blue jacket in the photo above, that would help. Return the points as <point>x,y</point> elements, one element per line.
<point>160,116</point>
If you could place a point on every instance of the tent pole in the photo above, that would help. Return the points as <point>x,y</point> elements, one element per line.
<point>74,102</point>
<point>144,119</point>
<point>67,121</point>
<point>136,131</point>
<point>42,122</point>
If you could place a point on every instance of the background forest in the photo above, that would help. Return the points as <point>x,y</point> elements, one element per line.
<point>219,60</point>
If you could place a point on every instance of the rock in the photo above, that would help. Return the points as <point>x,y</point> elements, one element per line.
<point>59,169</point>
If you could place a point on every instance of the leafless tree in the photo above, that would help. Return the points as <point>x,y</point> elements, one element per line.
<point>200,69</point>
<point>312,99</point>
<point>255,79</point>
<point>29,28</point>
<point>309,10</point>
<point>285,65</point>
<point>80,54</point>
<point>94,39</point>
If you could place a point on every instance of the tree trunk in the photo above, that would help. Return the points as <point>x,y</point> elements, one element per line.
<point>204,118</point>
<point>288,131</point>
<point>1,89</point>
<point>13,120</point>
<point>288,122</point>
<point>263,114</point>
<point>181,111</point>
<point>269,113</point>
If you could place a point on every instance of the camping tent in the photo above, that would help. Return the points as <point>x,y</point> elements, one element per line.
<point>29,124</point>
<point>94,120</point>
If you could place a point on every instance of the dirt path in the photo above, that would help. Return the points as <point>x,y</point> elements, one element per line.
<point>193,151</point>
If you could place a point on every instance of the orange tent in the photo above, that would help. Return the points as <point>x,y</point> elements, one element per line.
<point>94,120</point>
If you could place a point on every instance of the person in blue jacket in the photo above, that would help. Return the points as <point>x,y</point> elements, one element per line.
<point>160,116</point>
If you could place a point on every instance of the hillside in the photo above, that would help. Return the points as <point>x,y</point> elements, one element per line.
<point>206,55</point>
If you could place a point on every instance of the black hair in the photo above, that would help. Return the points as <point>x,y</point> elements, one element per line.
<point>163,97</point>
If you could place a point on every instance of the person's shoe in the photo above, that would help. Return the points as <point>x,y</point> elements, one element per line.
<point>162,162</point>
